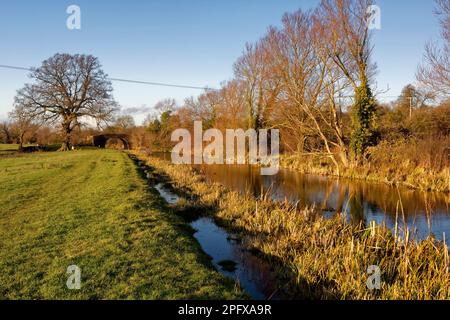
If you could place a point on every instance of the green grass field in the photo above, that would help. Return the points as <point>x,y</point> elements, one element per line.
<point>6,149</point>
<point>92,209</point>
<point>9,147</point>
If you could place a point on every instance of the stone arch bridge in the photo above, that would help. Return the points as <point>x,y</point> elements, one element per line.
<point>101,140</point>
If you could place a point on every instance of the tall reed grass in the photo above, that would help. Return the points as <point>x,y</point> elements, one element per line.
<point>314,257</point>
<point>420,164</point>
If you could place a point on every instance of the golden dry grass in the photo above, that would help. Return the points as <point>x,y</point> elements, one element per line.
<point>318,258</point>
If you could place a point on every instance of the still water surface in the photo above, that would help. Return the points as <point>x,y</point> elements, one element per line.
<point>423,212</point>
<point>252,273</point>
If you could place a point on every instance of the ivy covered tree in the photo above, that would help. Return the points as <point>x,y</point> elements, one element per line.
<point>363,120</point>
<point>350,46</point>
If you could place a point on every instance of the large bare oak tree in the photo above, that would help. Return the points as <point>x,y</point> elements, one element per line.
<point>68,89</point>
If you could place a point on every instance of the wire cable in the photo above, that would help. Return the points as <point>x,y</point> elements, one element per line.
<point>162,84</point>
<point>127,80</point>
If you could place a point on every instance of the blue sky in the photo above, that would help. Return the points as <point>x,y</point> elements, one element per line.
<point>192,42</point>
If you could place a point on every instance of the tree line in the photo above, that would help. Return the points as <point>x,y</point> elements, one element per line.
<point>313,78</point>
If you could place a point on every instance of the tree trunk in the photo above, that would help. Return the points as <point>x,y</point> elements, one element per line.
<point>21,141</point>
<point>363,116</point>
<point>21,138</point>
<point>66,144</point>
<point>7,135</point>
<point>344,158</point>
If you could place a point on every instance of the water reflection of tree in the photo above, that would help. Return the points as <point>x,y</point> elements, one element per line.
<point>328,192</point>
<point>255,181</point>
<point>342,196</point>
<point>356,204</point>
<point>352,197</point>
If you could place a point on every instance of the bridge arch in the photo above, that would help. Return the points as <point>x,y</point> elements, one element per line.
<point>101,140</point>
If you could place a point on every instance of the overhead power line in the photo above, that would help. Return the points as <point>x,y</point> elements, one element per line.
<point>15,68</point>
<point>161,84</point>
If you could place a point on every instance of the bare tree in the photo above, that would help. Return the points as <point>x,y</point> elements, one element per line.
<point>261,89</point>
<point>5,131</point>
<point>23,123</point>
<point>307,104</point>
<point>68,89</point>
<point>258,83</point>
<point>124,122</point>
<point>434,72</point>
<point>166,105</point>
<point>231,107</point>
<point>443,12</point>
<point>249,70</point>
<point>203,108</point>
<point>410,99</point>
<point>345,29</point>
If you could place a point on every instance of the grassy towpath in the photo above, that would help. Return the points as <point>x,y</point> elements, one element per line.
<point>92,209</point>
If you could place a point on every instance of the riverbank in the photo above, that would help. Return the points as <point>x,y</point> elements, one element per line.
<point>93,209</point>
<point>314,257</point>
<point>404,173</point>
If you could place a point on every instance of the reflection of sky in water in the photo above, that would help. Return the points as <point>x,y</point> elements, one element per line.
<point>253,274</point>
<point>360,200</point>
<point>170,197</point>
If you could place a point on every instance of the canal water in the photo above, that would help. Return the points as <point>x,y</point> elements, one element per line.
<point>422,212</point>
<point>252,273</point>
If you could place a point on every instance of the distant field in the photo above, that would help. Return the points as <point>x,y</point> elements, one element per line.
<point>8,147</point>
<point>92,209</point>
